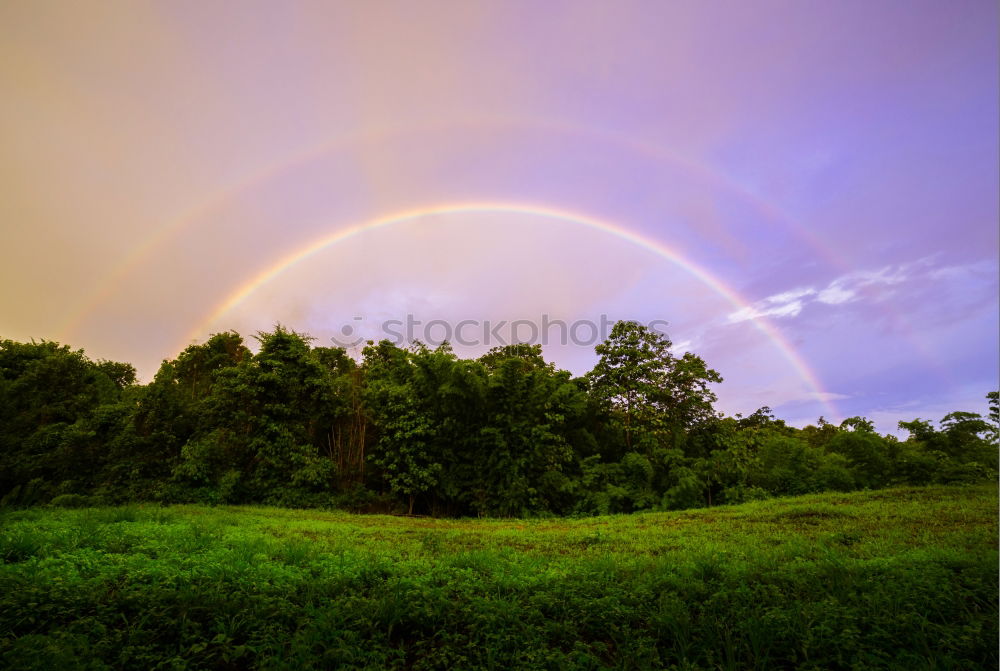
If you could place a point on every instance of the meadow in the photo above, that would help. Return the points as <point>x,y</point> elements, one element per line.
<point>899,578</point>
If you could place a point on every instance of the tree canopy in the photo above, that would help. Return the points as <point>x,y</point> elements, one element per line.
<point>419,430</point>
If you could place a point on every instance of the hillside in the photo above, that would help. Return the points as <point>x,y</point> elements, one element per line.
<point>884,579</point>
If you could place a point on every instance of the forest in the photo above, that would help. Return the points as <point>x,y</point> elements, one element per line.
<point>419,430</point>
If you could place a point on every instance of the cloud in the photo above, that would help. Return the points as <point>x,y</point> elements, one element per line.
<point>679,348</point>
<point>835,295</point>
<point>826,396</point>
<point>978,269</point>
<point>848,287</point>
<point>785,304</point>
<point>871,284</point>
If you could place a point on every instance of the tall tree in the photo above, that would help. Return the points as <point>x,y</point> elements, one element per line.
<point>49,437</point>
<point>411,394</point>
<point>524,446</point>
<point>268,418</point>
<point>655,394</point>
<point>347,436</point>
<point>994,399</point>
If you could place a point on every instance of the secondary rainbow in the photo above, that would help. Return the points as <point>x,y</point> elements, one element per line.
<point>113,278</point>
<point>272,271</point>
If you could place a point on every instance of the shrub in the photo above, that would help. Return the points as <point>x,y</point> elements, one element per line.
<point>71,501</point>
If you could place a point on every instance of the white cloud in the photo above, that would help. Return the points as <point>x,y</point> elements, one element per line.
<point>986,268</point>
<point>835,295</point>
<point>787,310</point>
<point>785,304</point>
<point>792,295</point>
<point>679,348</point>
<point>826,396</point>
<point>844,289</point>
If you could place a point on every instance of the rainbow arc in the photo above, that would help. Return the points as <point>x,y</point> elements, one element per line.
<point>265,275</point>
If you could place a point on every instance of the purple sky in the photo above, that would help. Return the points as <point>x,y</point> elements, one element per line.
<point>833,164</point>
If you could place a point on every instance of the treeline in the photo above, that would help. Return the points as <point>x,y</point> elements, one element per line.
<point>420,430</point>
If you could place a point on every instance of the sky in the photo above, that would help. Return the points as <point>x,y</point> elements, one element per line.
<point>803,193</point>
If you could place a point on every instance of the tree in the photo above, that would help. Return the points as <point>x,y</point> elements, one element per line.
<point>267,419</point>
<point>406,442</point>
<point>196,368</point>
<point>505,434</point>
<point>787,465</point>
<point>408,392</point>
<point>122,374</point>
<point>346,439</point>
<point>652,392</point>
<point>166,414</point>
<point>523,447</point>
<point>530,357</point>
<point>54,419</point>
<point>962,450</point>
<point>869,455</point>
<point>994,420</point>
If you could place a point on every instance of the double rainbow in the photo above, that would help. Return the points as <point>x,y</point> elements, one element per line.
<point>241,293</point>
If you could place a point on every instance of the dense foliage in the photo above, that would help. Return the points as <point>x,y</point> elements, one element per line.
<point>418,429</point>
<point>894,579</point>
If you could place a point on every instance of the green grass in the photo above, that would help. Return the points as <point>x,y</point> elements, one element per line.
<point>903,578</point>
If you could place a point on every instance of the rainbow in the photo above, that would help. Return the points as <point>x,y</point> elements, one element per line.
<point>107,285</point>
<point>267,274</point>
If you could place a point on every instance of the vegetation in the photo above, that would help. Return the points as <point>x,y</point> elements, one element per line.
<point>96,575</point>
<point>900,578</point>
<point>419,430</point>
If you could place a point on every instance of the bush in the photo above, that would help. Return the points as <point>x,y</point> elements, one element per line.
<point>71,501</point>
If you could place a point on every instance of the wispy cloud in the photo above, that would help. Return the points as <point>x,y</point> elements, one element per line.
<point>678,349</point>
<point>870,284</point>
<point>849,287</point>
<point>785,304</point>
<point>827,396</point>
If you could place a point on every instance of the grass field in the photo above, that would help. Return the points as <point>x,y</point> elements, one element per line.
<point>903,578</point>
